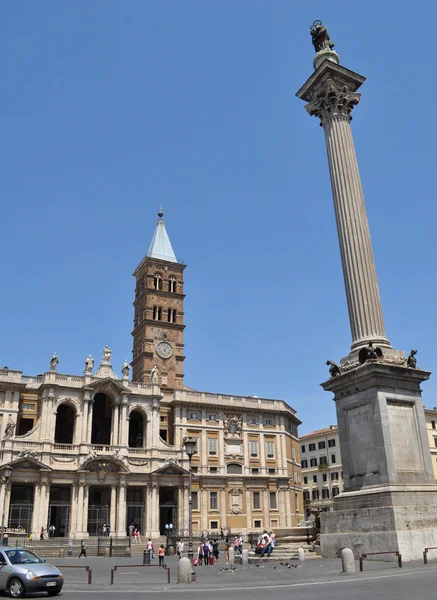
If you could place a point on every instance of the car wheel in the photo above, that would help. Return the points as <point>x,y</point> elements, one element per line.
<point>16,588</point>
<point>53,592</point>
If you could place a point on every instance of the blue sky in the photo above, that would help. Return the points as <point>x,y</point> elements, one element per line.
<point>112,108</point>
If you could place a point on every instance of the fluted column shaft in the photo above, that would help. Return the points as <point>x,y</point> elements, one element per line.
<point>364,304</point>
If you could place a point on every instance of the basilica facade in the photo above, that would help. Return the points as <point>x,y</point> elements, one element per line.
<point>79,451</point>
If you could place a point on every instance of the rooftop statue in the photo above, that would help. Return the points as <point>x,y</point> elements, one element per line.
<point>320,37</point>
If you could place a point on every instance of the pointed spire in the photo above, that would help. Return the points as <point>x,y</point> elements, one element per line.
<point>160,246</point>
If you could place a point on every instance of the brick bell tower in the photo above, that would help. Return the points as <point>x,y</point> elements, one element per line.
<point>159,314</point>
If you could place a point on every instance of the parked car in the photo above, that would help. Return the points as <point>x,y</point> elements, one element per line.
<point>22,572</point>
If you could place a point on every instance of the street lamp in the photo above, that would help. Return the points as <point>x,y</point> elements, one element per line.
<point>7,472</point>
<point>190,444</point>
<point>168,529</point>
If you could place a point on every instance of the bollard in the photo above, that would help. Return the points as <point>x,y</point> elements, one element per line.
<point>347,560</point>
<point>231,556</point>
<point>128,552</point>
<point>301,554</point>
<point>61,553</point>
<point>146,557</point>
<point>171,551</point>
<point>184,570</point>
<point>107,552</point>
<point>245,557</point>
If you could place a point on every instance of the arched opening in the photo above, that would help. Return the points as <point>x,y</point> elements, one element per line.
<point>136,430</point>
<point>172,284</point>
<point>234,469</point>
<point>64,428</point>
<point>157,282</point>
<point>102,420</point>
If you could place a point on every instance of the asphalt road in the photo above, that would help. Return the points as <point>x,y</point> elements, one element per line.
<point>311,580</point>
<point>394,586</point>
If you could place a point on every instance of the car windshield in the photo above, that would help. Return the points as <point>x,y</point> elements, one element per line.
<point>22,557</point>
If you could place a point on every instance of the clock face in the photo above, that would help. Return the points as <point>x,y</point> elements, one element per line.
<point>164,350</point>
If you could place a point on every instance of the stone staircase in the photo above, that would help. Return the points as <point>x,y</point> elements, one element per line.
<point>285,550</point>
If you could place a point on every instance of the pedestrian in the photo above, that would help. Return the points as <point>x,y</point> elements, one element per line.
<point>108,529</point>
<point>104,529</point>
<point>161,554</point>
<point>222,535</point>
<point>227,546</point>
<point>82,549</point>
<point>138,535</point>
<point>150,548</point>
<point>235,544</point>
<point>134,536</point>
<point>131,530</point>
<point>215,551</point>
<point>41,533</point>
<point>52,530</point>
<point>180,548</point>
<point>205,553</point>
<point>240,544</point>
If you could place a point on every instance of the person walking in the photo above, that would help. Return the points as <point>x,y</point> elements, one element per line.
<point>161,554</point>
<point>180,548</point>
<point>215,551</point>
<point>82,549</point>
<point>222,535</point>
<point>104,529</point>
<point>150,548</point>
<point>52,530</point>
<point>240,544</point>
<point>205,553</point>
<point>41,533</point>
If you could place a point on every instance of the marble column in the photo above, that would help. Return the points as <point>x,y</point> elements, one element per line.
<point>155,510</point>
<point>281,505</point>
<point>113,509</point>
<point>331,92</point>
<point>86,497</point>
<point>7,501</point>
<point>35,515</point>
<point>80,503</point>
<point>73,510</point>
<point>90,420</point>
<point>121,510</point>
<point>44,504</point>
<point>115,423</point>
<point>85,411</point>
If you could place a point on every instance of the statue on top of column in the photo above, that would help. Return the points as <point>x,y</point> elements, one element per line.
<point>89,364</point>
<point>107,354</point>
<point>54,361</point>
<point>125,370</point>
<point>320,37</point>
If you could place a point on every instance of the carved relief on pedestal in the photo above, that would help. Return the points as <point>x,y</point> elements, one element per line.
<point>236,503</point>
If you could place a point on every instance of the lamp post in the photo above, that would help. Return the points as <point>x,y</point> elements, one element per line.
<point>190,444</point>
<point>7,472</point>
<point>168,529</point>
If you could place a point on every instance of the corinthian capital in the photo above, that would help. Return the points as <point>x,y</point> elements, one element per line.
<point>332,101</point>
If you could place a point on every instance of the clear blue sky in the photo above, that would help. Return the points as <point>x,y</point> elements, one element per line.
<point>111,108</point>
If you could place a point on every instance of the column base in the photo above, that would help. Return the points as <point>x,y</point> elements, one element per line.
<point>383,521</point>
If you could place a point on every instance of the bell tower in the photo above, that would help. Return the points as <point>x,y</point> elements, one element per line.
<point>159,314</point>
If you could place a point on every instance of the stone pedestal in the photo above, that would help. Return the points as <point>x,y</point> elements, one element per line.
<point>389,501</point>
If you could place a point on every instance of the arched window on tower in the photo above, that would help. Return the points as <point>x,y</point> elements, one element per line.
<point>172,284</point>
<point>171,315</point>
<point>158,282</point>
<point>157,313</point>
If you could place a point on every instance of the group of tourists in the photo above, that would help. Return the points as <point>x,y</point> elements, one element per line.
<point>207,553</point>
<point>266,543</point>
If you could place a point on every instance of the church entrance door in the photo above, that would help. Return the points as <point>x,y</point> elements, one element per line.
<point>167,509</point>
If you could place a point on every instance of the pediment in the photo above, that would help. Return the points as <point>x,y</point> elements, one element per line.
<point>28,460</point>
<point>100,464</point>
<point>108,384</point>
<point>171,468</point>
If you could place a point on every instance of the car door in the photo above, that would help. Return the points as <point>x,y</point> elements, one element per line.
<point>3,571</point>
